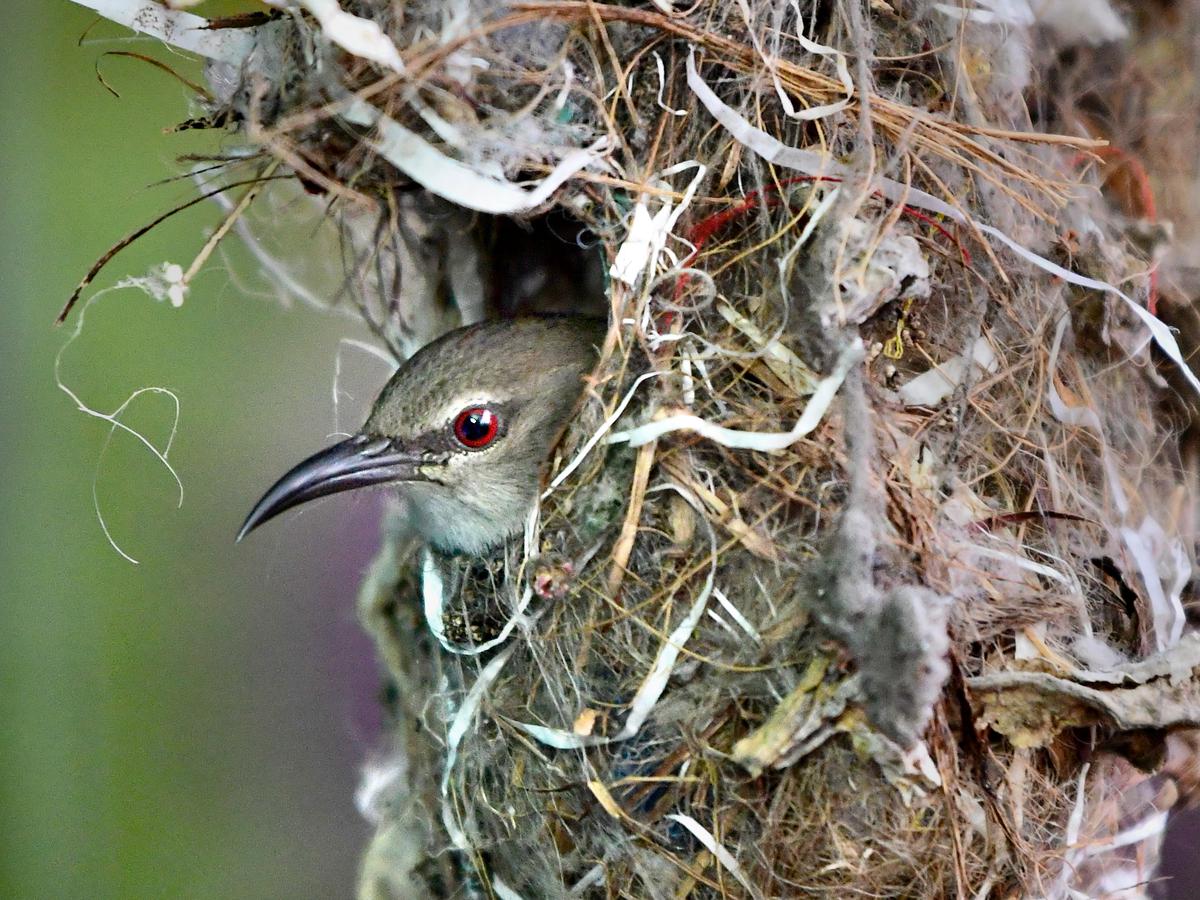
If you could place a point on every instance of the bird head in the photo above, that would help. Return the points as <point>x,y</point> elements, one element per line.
<point>462,430</point>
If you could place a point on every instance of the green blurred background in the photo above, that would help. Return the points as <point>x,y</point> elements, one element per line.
<point>191,726</point>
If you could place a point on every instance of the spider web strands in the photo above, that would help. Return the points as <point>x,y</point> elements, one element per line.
<point>120,245</point>
<point>114,418</point>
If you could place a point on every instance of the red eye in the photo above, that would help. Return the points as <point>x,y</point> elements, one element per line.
<point>476,427</point>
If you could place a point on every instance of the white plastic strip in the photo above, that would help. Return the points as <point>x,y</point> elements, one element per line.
<point>1155,556</point>
<point>752,440</point>
<point>503,891</point>
<point>560,739</point>
<point>655,682</point>
<point>362,37</point>
<point>662,80</point>
<point>645,239</point>
<point>593,877</point>
<point>455,181</point>
<point>736,615</point>
<point>648,233</point>
<point>433,602</point>
<point>936,384</point>
<point>179,29</point>
<point>1075,821</point>
<point>706,837</point>
<point>820,165</point>
<point>843,72</point>
<point>1021,562</point>
<point>816,112</point>
<point>993,12</point>
<point>458,730</point>
<point>600,432</point>
<point>1151,826</point>
<point>433,598</point>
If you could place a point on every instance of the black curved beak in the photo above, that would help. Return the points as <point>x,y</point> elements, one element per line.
<point>357,462</point>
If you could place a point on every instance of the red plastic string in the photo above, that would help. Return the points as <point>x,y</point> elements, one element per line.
<point>703,230</point>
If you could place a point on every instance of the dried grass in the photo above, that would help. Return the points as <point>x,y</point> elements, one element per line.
<point>694,701</point>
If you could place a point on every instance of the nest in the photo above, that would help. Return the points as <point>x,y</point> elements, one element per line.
<point>863,567</point>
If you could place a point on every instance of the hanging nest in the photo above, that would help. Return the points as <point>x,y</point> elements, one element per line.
<point>864,566</point>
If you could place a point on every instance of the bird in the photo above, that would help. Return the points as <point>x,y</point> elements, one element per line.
<point>462,431</point>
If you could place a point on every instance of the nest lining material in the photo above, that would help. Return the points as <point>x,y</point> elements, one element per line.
<point>864,564</point>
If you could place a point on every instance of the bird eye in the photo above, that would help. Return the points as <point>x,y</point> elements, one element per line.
<point>476,427</point>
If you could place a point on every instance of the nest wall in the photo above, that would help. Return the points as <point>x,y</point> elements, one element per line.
<point>865,565</point>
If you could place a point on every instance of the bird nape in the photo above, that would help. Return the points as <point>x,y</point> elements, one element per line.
<point>462,430</point>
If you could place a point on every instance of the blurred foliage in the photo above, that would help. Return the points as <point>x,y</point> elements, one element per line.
<point>188,727</point>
